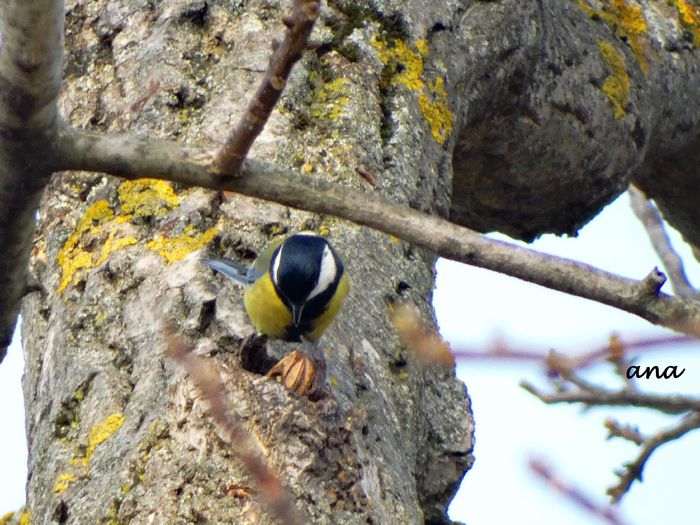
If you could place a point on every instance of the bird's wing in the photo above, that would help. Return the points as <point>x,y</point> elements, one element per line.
<point>262,264</point>
<point>241,273</point>
<point>231,269</point>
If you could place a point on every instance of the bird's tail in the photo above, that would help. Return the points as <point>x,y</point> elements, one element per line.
<point>231,269</point>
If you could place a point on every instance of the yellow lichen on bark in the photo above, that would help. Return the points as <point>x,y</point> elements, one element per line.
<point>147,197</point>
<point>330,100</point>
<point>76,253</point>
<point>100,433</point>
<point>406,64</point>
<point>435,110</point>
<point>405,67</point>
<point>617,85</point>
<point>96,236</point>
<point>627,20</point>
<point>63,481</point>
<point>689,16</point>
<point>112,245</point>
<point>180,246</point>
<point>25,518</point>
<point>6,518</point>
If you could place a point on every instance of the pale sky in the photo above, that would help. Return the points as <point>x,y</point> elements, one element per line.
<point>475,306</point>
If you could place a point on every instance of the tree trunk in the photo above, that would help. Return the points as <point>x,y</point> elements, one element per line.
<point>546,110</point>
<point>566,102</point>
<point>117,433</point>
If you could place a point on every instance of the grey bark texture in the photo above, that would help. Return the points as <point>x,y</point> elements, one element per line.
<point>566,102</point>
<point>524,117</point>
<point>117,434</point>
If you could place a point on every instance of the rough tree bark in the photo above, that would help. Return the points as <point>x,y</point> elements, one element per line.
<point>550,109</point>
<point>566,103</point>
<point>115,430</point>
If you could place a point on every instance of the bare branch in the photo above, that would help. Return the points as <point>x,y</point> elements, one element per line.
<point>31,57</point>
<point>564,364</point>
<point>592,395</point>
<point>31,47</point>
<point>649,216</point>
<point>573,493</point>
<point>275,497</point>
<point>653,282</point>
<point>633,471</point>
<point>133,157</point>
<point>285,55</point>
<point>628,432</point>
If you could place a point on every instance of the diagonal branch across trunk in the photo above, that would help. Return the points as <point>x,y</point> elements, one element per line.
<point>132,157</point>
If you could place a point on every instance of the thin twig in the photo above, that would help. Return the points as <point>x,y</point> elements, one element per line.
<point>590,395</point>
<point>132,157</point>
<point>649,216</point>
<point>576,380</point>
<point>628,432</point>
<point>633,471</point>
<point>275,497</point>
<point>502,351</point>
<point>573,493</point>
<point>597,396</point>
<point>284,56</point>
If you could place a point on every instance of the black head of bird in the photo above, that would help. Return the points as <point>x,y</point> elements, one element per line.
<point>295,287</point>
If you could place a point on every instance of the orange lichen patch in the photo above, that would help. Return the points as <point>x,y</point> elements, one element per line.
<point>689,15</point>
<point>77,253</point>
<point>617,85</point>
<point>178,247</point>
<point>627,20</point>
<point>404,66</point>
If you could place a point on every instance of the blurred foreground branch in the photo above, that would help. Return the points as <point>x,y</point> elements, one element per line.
<point>275,498</point>
<point>427,346</point>
<point>573,493</point>
<point>570,387</point>
<point>556,362</point>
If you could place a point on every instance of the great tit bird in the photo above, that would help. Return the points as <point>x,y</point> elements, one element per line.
<point>294,289</point>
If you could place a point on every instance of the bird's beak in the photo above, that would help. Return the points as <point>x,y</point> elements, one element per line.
<point>296,313</point>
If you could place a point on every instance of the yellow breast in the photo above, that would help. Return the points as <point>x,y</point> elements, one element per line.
<point>267,311</point>
<point>272,317</point>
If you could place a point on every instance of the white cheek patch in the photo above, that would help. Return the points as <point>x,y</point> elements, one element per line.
<point>327,274</point>
<point>276,265</point>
